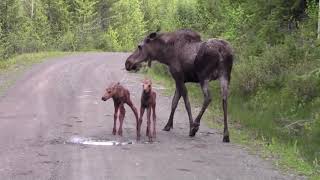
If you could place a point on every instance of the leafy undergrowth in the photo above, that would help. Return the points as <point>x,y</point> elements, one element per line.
<point>270,123</point>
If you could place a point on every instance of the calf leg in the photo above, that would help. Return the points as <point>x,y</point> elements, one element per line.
<point>121,118</point>
<point>115,117</point>
<point>134,109</point>
<point>154,120</point>
<point>149,124</point>
<point>174,105</point>
<point>224,83</point>
<point>207,99</point>
<point>140,120</point>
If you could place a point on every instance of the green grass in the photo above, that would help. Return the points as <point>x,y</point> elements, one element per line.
<point>255,124</point>
<point>28,59</point>
<point>12,68</point>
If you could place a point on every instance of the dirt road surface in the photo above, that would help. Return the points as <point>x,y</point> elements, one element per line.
<point>53,125</point>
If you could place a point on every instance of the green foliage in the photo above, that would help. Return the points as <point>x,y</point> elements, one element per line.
<point>275,82</point>
<point>128,23</point>
<point>111,39</point>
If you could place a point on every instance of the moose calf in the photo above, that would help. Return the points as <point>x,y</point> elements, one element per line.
<point>148,101</point>
<point>120,96</point>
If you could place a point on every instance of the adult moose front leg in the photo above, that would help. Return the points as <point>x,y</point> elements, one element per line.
<point>207,99</point>
<point>184,93</point>
<point>174,105</point>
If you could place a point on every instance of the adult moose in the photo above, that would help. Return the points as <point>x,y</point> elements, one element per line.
<point>189,60</point>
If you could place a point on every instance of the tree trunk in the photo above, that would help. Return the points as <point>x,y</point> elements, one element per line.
<point>32,8</point>
<point>319,21</point>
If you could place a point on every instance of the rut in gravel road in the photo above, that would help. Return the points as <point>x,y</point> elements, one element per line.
<point>53,125</point>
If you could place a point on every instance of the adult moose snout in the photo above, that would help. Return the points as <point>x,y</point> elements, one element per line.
<point>128,65</point>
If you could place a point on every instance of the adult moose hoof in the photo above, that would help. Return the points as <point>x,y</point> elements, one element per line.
<point>167,127</point>
<point>193,130</point>
<point>226,139</point>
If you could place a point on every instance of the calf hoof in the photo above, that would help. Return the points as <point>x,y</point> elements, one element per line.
<point>120,133</point>
<point>167,127</point>
<point>150,139</point>
<point>226,139</point>
<point>114,131</point>
<point>154,135</point>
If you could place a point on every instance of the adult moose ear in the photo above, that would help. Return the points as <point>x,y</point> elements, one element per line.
<point>152,35</point>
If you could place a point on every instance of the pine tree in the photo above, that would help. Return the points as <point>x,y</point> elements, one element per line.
<point>11,20</point>
<point>128,23</point>
<point>58,16</point>
<point>319,21</point>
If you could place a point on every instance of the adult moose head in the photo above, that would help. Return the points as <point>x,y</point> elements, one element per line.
<point>189,60</point>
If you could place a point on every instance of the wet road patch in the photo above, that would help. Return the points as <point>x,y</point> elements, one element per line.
<point>89,141</point>
<point>184,170</point>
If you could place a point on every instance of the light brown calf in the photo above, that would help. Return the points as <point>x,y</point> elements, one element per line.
<point>148,101</point>
<point>120,96</point>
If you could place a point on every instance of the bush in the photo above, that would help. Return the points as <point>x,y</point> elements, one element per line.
<point>306,87</point>
<point>68,42</point>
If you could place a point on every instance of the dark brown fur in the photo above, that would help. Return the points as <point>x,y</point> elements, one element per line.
<point>120,96</point>
<point>148,101</point>
<point>189,60</point>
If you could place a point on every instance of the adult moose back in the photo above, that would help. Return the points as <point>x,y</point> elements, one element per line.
<point>189,60</point>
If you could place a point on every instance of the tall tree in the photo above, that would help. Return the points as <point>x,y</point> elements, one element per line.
<point>319,21</point>
<point>103,8</point>
<point>11,20</point>
<point>58,16</point>
<point>128,22</point>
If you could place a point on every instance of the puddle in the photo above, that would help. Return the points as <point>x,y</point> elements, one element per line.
<point>85,96</point>
<point>88,141</point>
<point>183,169</point>
<point>88,91</point>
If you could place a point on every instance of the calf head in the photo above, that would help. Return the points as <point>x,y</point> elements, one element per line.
<point>147,85</point>
<point>110,91</point>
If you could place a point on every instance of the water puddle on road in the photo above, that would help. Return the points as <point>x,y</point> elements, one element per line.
<point>88,141</point>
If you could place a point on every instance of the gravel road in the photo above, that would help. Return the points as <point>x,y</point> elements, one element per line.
<point>53,125</point>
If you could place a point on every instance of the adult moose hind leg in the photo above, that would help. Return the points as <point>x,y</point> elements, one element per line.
<point>174,105</point>
<point>207,99</point>
<point>224,83</point>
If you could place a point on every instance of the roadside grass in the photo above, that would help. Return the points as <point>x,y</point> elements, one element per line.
<point>12,68</point>
<point>249,127</point>
<point>28,59</point>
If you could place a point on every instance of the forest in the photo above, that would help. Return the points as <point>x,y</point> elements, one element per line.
<point>275,86</point>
